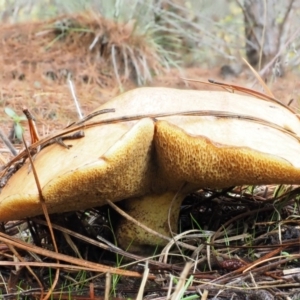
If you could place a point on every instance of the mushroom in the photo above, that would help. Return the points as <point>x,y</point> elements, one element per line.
<point>213,150</point>
<point>110,161</point>
<point>166,144</point>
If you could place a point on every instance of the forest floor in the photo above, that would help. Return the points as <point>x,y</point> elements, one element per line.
<point>49,99</point>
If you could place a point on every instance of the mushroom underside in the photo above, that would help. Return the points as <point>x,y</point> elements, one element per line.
<point>83,176</point>
<point>148,160</point>
<point>185,169</point>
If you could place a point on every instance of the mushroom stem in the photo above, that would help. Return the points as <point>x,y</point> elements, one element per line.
<point>152,211</point>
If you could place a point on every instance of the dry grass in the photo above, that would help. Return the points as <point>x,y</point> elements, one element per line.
<point>84,47</point>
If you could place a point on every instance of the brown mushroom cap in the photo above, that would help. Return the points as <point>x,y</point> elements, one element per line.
<point>258,144</point>
<point>158,100</point>
<point>207,151</point>
<point>249,154</point>
<point>204,144</point>
<point>111,162</point>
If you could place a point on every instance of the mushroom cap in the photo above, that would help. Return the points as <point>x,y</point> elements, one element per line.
<point>110,162</point>
<point>215,150</point>
<point>129,159</point>
<point>160,100</point>
<point>210,163</point>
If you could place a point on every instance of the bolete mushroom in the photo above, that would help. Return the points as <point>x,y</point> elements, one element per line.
<point>181,141</point>
<point>111,161</point>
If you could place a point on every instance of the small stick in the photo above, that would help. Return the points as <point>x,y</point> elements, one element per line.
<point>140,294</point>
<point>92,290</point>
<point>180,285</point>
<point>107,285</point>
<point>204,295</point>
<point>75,98</point>
<point>32,126</point>
<point>8,144</point>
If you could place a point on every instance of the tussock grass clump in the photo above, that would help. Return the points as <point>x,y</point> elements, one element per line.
<point>85,47</point>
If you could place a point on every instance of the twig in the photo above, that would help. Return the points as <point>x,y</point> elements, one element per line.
<point>108,246</point>
<point>32,126</point>
<point>45,211</point>
<point>28,267</point>
<point>113,56</point>
<point>107,286</point>
<point>179,287</point>
<point>286,15</point>
<point>204,295</point>
<point>8,144</point>
<point>75,99</point>
<point>263,35</point>
<point>62,257</point>
<point>143,283</point>
<point>290,40</point>
<point>232,88</point>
